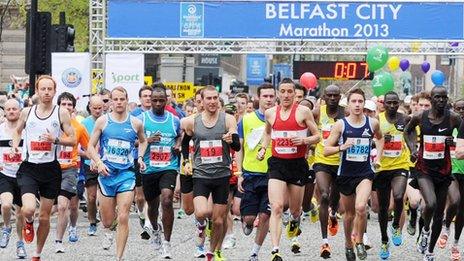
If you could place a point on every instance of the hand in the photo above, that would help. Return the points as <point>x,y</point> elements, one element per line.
<point>239,184</point>
<point>348,144</point>
<point>387,137</point>
<point>227,138</point>
<point>188,169</point>
<point>298,141</point>
<point>142,165</point>
<point>176,149</point>
<point>261,153</point>
<point>450,141</point>
<point>93,166</point>
<point>48,137</point>
<point>413,157</point>
<point>376,163</point>
<point>14,151</point>
<point>103,169</point>
<point>154,138</point>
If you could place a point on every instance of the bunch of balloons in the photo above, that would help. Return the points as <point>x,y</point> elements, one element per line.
<point>377,57</point>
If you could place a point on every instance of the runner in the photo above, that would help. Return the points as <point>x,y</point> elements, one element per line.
<point>300,93</point>
<point>40,171</point>
<point>9,189</point>
<point>116,133</point>
<point>355,173</point>
<point>455,207</point>
<point>326,168</point>
<point>214,134</point>
<point>253,179</point>
<point>433,164</point>
<point>91,177</point>
<point>287,126</point>
<point>68,159</point>
<point>161,160</point>
<point>392,175</point>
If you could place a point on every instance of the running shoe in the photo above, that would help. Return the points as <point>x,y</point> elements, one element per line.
<point>20,250</point>
<point>246,229</point>
<point>6,233</point>
<point>314,214</point>
<point>397,236</point>
<point>35,258</point>
<point>443,239</point>
<point>304,215</point>
<point>253,257</point>
<point>285,218</point>
<point>209,256</point>
<point>423,242</point>
<point>156,240</point>
<point>429,256</point>
<point>366,242</point>
<point>295,247</point>
<point>181,214</point>
<point>384,251</point>
<point>218,256</point>
<point>166,250</point>
<point>349,254</point>
<point>73,234</point>
<point>293,228</point>
<point>229,242</point>
<point>107,241</point>
<point>411,228</point>
<point>59,247</point>
<point>325,251</point>
<point>92,230</point>
<point>455,253</point>
<point>199,252</point>
<point>333,226</point>
<point>276,257</point>
<point>361,251</point>
<point>28,232</point>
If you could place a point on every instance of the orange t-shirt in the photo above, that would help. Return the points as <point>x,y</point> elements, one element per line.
<point>68,156</point>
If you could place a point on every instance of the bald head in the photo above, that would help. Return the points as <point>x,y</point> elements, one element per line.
<point>12,110</point>
<point>96,106</point>
<point>332,88</point>
<point>332,96</point>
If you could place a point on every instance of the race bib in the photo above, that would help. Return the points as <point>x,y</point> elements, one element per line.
<point>453,149</point>
<point>359,152</point>
<point>12,159</point>
<point>434,147</point>
<point>283,141</point>
<point>41,146</point>
<point>325,132</point>
<point>254,137</point>
<point>211,151</point>
<point>393,148</point>
<point>160,156</point>
<point>65,156</point>
<point>118,151</point>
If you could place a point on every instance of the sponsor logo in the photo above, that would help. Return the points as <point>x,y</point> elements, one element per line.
<point>71,77</point>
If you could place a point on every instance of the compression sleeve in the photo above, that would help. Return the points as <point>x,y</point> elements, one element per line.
<point>235,145</point>
<point>185,145</point>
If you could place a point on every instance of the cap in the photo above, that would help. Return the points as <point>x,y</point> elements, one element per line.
<point>370,105</point>
<point>343,102</point>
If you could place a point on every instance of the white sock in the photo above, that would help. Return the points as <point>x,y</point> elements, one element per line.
<point>255,249</point>
<point>36,254</point>
<point>275,249</point>
<point>325,241</point>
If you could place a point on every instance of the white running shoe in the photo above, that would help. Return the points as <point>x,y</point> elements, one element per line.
<point>107,241</point>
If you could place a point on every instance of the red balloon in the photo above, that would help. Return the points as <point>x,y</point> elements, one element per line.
<point>308,80</point>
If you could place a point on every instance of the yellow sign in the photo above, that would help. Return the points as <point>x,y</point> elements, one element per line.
<point>148,80</point>
<point>182,90</point>
<point>97,80</point>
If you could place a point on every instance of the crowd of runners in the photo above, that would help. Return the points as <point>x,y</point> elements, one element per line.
<point>271,162</point>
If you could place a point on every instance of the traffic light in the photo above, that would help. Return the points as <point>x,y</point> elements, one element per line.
<point>41,45</point>
<point>218,83</point>
<point>63,38</point>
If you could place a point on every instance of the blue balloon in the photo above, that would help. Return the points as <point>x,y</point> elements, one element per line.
<point>438,77</point>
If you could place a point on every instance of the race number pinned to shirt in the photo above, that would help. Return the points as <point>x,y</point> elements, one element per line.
<point>65,156</point>
<point>160,156</point>
<point>118,151</point>
<point>434,147</point>
<point>40,148</point>
<point>14,159</point>
<point>359,152</point>
<point>283,140</point>
<point>254,137</point>
<point>453,148</point>
<point>393,148</point>
<point>326,128</point>
<point>211,151</point>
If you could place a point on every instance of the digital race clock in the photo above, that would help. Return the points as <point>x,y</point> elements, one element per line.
<point>337,70</point>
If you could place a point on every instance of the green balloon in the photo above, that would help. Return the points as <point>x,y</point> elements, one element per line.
<point>377,57</point>
<point>382,83</point>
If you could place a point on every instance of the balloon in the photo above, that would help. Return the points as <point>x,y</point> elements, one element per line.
<point>382,83</point>
<point>377,57</point>
<point>404,64</point>
<point>438,78</point>
<point>308,80</point>
<point>425,66</point>
<point>393,63</point>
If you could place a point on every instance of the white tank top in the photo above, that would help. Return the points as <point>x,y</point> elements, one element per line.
<point>36,149</point>
<point>9,163</point>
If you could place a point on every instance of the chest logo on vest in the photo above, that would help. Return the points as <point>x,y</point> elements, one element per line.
<point>442,130</point>
<point>55,124</point>
<point>366,134</point>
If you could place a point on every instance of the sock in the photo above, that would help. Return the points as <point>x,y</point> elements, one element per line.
<point>293,219</point>
<point>275,250</point>
<point>325,241</point>
<point>36,254</point>
<point>255,249</point>
<point>29,221</point>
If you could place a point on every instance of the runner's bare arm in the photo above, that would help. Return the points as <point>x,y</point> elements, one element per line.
<point>186,124</point>
<point>379,139</point>
<point>70,138</point>
<point>331,147</point>
<point>410,135</point>
<point>231,137</point>
<point>19,129</point>
<point>312,127</point>
<point>94,138</point>
<point>141,137</point>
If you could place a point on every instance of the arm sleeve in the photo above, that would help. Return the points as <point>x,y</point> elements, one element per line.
<point>185,145</point>
<point>240,129</point>
<point>235,145</point>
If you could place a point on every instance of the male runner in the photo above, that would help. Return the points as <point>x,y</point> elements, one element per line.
<point>40,171</point>
<point>116,133</point>
<point>433,163</point>
<point>91,183</point>
<point>214,134</point>
<point>287,126</point>
<point>162,129</point>
<point>392,175</point>
<point>9,189</point>
<point>355,173</point>
<point>326,168</point>
<point>68,158</point>
<point>300,93</point>
<point>253,179</point>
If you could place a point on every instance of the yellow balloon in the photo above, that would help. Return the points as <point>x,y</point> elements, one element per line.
<point>393,63</point>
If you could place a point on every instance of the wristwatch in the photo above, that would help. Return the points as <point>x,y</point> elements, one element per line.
<point>56,141</point>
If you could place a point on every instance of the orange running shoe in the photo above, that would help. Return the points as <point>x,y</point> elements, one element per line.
<point>35,258</point>
<point>28,232</point>
<point>442,240</point>
<point>455,253</point>
<point>325,251</point>
<point>333,226</point>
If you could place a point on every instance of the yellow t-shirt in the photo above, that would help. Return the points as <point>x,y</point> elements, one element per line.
<point>325,126</point>
<point>395,152</point>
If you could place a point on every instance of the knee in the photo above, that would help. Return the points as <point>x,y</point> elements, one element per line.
<point>277,208</point>
<point>123,218</point>
<point>6,206</point>
<point>360,209</point>
<point>28,211</point>
<point>62,208</point>
<point>188,210</point>
<point>218,221</point>
<point>166,202</point>
<point>44,218</point>
<point>325,198</point>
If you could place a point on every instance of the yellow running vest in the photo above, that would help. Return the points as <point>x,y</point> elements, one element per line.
<point>253,130</point>
<point>395,153</point>
<point>325,126</point>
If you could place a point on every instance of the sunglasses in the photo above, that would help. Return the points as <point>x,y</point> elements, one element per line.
<point>106,100</point>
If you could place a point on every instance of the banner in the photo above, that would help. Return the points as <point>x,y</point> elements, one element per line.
<point>300,20</point>
<point>126,70</point>
<point>182,91</point>
<point>71,72</point>
<point>256,68</point>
